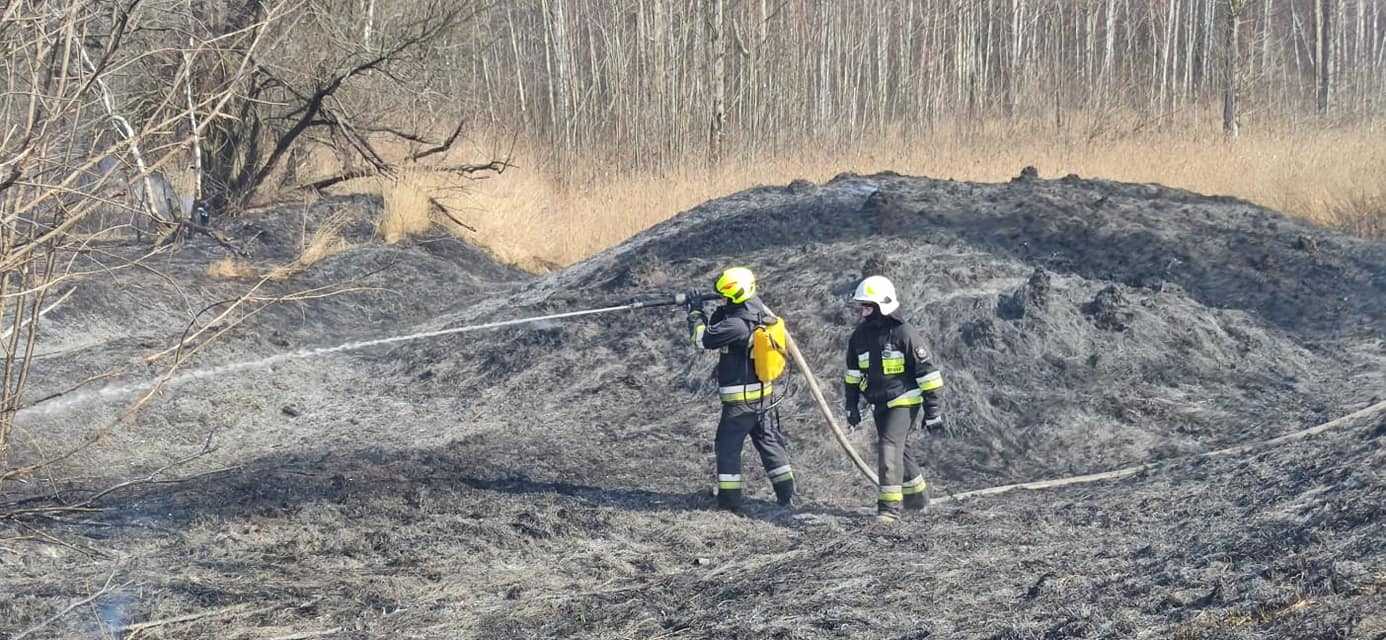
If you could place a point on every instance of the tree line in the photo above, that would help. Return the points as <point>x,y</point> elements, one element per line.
<point>646,83</point>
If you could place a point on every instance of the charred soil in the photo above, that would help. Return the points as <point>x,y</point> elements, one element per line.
<point>551,480</point>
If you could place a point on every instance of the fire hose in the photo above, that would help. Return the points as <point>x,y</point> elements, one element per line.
<point>689,299</point>
<point>822,403</point>
<point>694,298</point>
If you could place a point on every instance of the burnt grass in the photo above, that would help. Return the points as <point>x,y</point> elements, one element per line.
<point>552,480</point>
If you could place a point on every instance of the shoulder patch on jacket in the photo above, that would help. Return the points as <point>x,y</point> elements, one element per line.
<point>921,353</point>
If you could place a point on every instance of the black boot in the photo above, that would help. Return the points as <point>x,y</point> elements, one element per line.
<point>916,494</point>
<point>784,493</point>
<point>887,514</point>
<point>729,499</point>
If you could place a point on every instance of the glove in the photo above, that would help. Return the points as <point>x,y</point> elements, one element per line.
<point>853,417</point>
<point>695,300</point>
<point>696,318</point>
<point>933,425</point>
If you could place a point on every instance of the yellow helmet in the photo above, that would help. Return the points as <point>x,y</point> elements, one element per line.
<point>737,284</point>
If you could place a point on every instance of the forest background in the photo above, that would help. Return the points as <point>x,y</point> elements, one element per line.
<point>547,130</point>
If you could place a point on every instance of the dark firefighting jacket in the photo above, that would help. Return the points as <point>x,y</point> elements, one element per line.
<point>888,363</point>
<point>729,331</point>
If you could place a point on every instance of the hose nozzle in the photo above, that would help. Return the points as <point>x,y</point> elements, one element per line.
<point>694,297</point>
<point>684,298</point>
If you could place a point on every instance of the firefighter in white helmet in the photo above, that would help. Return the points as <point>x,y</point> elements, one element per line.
<point>888,364</point>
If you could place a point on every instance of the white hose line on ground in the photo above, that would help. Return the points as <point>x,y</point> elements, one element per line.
<point>841,437</point>
<point>790,346</point>
<point>822,403</point>
<point>1378,408</point>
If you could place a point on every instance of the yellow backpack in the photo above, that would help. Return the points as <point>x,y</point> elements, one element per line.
<point>768,350</point>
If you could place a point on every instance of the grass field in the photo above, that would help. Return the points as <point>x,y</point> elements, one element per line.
<point>1335,177</point>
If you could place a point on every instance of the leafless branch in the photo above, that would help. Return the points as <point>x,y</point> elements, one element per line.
<point>105,590</point>
<point>308,634</point>
<point>323,183</point>
<point>224,612</point>
<point>438,206</point>
<point>86,504</point>
<point>495,166</point>
<point>441,147</point>
<point>379,166</point>
<point>214,235</point>
<point>44,312</point>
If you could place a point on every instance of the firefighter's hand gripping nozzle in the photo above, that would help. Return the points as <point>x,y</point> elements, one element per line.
<point>689,299</point>
<point>694,299</point>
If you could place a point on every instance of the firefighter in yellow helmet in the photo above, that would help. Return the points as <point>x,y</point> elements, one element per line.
<point>745,401</point>
<point>888,364</point>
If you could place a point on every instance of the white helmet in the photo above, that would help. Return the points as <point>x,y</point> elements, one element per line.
<point>879,291</point>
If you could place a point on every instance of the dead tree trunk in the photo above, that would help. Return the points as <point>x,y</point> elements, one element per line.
<point>717,57</point>
<point>1109,48</point>
<point>370,23</point>
<point>1323,47</point>
<point>563,69</point>
<point>1231,67</point>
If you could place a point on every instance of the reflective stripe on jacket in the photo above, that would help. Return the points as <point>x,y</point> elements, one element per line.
<point>729,332</point>
<point>888,362</point>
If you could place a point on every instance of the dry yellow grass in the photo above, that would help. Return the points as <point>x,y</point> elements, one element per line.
<point>408,210</point>
<point>1333,176</point>
<point>231,269</point>
<point>326,240</point>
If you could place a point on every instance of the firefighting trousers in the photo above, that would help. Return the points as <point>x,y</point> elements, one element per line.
<point>739,421</point>
<point>902,482</point>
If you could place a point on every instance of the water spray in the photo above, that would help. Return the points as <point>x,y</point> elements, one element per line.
<point>66,403</point>
<point>689,299</point>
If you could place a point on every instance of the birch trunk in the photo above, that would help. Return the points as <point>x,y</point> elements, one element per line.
<point>1231,70</point>
<point>717,61</point>
<point>1323,53</point>
<point>152,195</point>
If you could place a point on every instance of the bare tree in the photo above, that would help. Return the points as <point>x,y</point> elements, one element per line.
<point>278,104</point>
<point>60,165</point>
<point>1231,66</point>
<point>634,85</point>
<point>1323,48</point>
<point>717,61</point>
<point>98,100</point>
